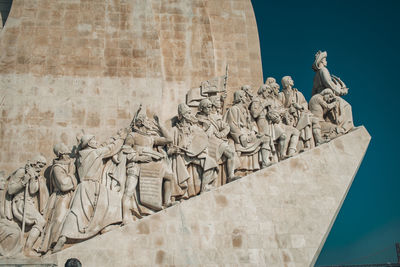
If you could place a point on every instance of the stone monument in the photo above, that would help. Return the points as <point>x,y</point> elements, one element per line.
<point>203,169</point>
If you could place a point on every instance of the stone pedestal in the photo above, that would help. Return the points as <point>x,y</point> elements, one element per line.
<point>279,216</point>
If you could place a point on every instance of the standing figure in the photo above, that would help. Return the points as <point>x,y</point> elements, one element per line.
<point>243,131</point>
<point>217,131</point>
<point>10,233</point>
<point>323,80</point>
<point>94,206</point>
<point>193,169</point>
<point>30,194</point>
<point>259,110</point>
<point>286,135</point>
<point>297,111</point>
<point>62,185</point>
<point>147,168</point>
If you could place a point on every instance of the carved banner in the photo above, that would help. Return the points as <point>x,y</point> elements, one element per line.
<point>150,184</point>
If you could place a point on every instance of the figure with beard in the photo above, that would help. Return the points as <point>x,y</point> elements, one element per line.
<point>30,194</point>
<point>286,135</point>
<point>342,115</point>
<point>94,206</point>
<point>62,185</point>
<point>10,233</point>
<point>297,114</point>
<point>244,133</point>
<point>146,164</point>
<point>217,131</point>
<point>193,169</point>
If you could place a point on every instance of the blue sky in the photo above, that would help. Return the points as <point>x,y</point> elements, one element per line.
<point>362,39</point>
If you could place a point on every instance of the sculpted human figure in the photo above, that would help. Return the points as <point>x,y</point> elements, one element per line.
<point>323,105</point>
<point>324,80</point>
<point>217,131</point>
<point>194,170</point>
<point>286,135</point>
<point>243,131</point>
<point>297,110</point>
<point>30,194</point>
<point>146,165</point>
<point>94,206</point>
<point>259,110</point>
<point>10,233</point>
<point>62,185</point>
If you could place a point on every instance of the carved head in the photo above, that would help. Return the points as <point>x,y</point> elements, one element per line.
<point>270,80</point>
<point>264,90</point>
<point>88,140</point>
<point>205,106</point>
<point>287,82</point>
<point>185,113</point>
<point>328,95</point>
<point>216,102</point>
<point>320,60</point>
<point>60,149</point>
<point>275,88</point>
<point>238,97</point>
<point>38,162</point>
<point>142,121</point>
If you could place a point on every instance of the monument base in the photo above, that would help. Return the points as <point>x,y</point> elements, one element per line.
<point>274,217</point>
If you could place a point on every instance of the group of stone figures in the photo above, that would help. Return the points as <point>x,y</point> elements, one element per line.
<point>145,168</point>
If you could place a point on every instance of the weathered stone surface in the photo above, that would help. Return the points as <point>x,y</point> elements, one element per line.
<point>279,216</point>
<point>85,64</point>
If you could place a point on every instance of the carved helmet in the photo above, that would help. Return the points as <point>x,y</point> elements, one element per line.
<point>86,139</point>
<point>60,149</point>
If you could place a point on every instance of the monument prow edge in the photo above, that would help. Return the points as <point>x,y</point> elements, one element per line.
<point>278,216</point>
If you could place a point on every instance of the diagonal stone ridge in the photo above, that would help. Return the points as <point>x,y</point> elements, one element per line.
<point>279,216</point>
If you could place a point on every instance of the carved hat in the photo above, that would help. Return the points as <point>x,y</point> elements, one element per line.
<point>318,57</point>
<point>60,149</point>
<point>183,109</point>
<point>86,139</point>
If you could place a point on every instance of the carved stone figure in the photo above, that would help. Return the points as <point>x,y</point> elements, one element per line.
<point>62,185</point>
<point>10,233</point>
<point>217,131</point>
<point>323,105</point>
<point>243,131</point>
<point>30,194</point>
<point>298,114</point>
<point>286,135</point>
<point>94,206</point>
<point>147,166</point>
<point>323,80</point>
<point>194,170</point>
<point>259,109</point>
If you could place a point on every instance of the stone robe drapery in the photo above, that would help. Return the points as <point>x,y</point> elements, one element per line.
<point>240,123</point>
<point>94,206</point>
<point>62,184</point>
<point>189,167</point>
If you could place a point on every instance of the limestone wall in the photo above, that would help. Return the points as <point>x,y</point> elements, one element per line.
<point>86,64</point>
<point>279,216</point>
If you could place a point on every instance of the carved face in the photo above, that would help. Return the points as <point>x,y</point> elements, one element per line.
<point>93,143</point>
<point>275,88</point>
<point>324,62</point>
<point>329,97</point>
<point>207,108</point>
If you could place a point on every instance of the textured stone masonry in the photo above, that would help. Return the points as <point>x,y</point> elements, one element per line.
<point>87,64</point>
